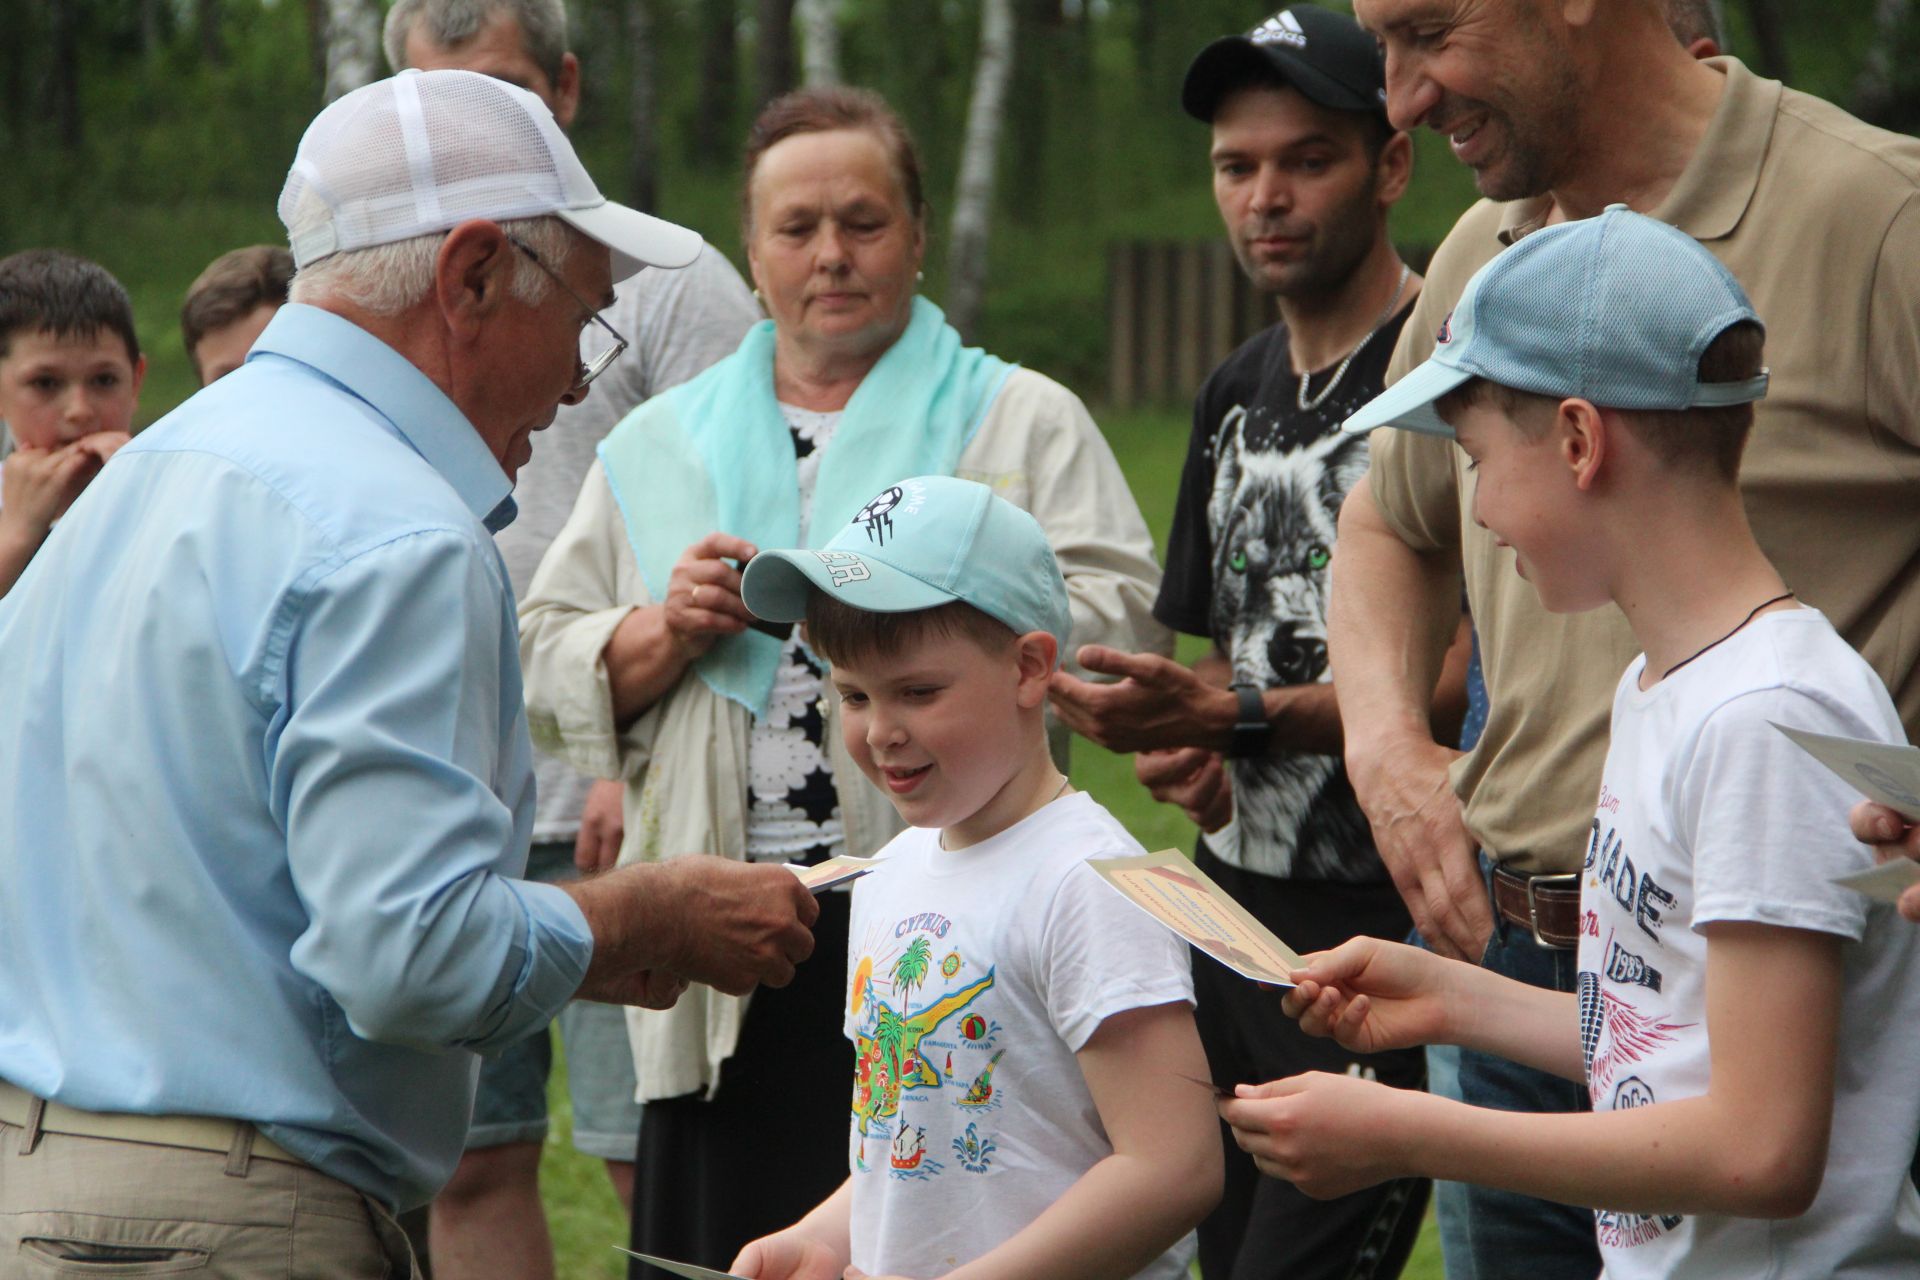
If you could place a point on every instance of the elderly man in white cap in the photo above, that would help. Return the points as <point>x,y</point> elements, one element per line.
<point>268,781</point>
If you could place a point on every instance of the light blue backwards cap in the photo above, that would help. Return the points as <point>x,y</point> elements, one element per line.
<point>920,544</point>
<point>1615,310</point>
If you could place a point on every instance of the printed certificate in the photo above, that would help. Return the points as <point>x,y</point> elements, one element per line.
<point>822,876</point>
<point>1180,896</point>
<point>1881,771</point>
<point>1885,773</point>
<point>686,1269</point>
<point>1883,883</point>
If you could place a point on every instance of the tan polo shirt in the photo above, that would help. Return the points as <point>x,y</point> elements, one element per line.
<point>1818,215</point>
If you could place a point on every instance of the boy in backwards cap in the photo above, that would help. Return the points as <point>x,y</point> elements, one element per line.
<point>1021,1032</point>
<point>1738,1016</point>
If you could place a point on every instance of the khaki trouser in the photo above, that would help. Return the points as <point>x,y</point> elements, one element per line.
<point>73,1205</point>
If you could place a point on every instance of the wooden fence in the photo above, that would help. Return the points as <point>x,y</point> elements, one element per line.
<point>1175,309</point>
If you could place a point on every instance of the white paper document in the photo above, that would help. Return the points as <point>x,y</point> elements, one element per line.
<point>1885,882</point>
<point>1880,771</point>
<point>1885,773</point>
<point>686,1269</point>
<point>1180,896</point>
<point>822,876</point>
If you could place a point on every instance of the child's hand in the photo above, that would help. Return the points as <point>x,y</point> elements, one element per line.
<point>1891,836</point>
<point>38,485</point>
<point>788,1255</point>
<point>1369,995</point>
<point>1328,1135</point>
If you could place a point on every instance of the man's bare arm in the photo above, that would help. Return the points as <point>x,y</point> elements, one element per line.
<point>1158,705</point>
<point>1392,616</point>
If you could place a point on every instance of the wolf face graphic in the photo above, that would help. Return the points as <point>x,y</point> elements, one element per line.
<point>1272,517</point>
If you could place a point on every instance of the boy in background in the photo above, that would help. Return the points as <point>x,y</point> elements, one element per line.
<point>1029,1095</point>
<point>1738,1015</point>
<point>229,304</point>
<point>70,372</point>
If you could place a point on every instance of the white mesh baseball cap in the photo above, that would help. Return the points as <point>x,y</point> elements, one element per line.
<point>425,151</point>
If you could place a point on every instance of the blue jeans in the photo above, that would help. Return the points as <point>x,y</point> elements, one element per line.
<point>1511,1236</point>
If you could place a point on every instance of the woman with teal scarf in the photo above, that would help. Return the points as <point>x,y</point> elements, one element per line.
<point>643,664</point>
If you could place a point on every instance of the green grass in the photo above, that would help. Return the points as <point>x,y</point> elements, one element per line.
<point>581,1207</point>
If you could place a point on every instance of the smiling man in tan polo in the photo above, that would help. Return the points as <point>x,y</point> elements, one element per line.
<point>1561,109</point>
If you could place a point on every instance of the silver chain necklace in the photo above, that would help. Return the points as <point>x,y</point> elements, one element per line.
<point>1308,405</point>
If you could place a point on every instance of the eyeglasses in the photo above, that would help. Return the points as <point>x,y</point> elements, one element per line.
<point>588,369</point>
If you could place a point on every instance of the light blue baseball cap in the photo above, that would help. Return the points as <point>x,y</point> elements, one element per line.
<point>1615,310</point>
<point>920,544</point>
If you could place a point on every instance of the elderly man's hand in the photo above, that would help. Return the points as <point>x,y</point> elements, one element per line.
<point>1156,703</point>
<point>732,925</point>
<point>1891,836</point>
<point>648,988</point>
<point>1423,838</point>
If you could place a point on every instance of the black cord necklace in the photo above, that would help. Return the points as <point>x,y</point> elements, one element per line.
<point>1785,595</point>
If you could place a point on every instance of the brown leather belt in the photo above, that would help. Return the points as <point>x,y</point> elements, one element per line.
<point>197,1133</point>
<point>1546,906</point>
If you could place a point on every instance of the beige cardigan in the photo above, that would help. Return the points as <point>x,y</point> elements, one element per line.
<point>685,759</point>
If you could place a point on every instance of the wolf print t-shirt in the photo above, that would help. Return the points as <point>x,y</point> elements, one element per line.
<point>1247,568</point>
<point>1709,814</point>
<point>974,976</point>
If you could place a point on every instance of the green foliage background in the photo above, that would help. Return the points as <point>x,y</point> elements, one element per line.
<point>182,156</point>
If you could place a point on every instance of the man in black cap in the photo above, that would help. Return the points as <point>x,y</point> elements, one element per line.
<point>1305,171</point>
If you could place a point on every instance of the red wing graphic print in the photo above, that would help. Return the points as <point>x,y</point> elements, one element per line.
<point>1628,1036</point>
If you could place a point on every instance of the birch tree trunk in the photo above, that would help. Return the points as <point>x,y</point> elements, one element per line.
<point>643,156</point>
<point>353,45</point>
<point>820,31</point>
<point>973,201</point>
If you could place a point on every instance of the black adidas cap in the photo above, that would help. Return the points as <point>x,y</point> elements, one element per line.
<point>1323,54</point>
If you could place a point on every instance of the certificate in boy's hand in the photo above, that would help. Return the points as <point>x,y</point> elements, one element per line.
<point>1884,883</point>
<point>686,1269</point>
<point>1180,896</point>
<point>1883,772</point>
<point>822,876</point>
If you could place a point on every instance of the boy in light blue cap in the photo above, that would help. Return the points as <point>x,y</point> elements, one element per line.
<point>1029,1091</point>
<point>1738,1015</point>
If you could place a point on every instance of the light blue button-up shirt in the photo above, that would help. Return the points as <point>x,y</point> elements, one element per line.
<point>264,773</point>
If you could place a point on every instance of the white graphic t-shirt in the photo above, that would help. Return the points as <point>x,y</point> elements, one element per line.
<point>1708,814</point>
<point>974,977</point>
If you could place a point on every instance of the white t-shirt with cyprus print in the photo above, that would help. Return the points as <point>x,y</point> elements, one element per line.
<point>975,975</point>
<point>1708,814</point>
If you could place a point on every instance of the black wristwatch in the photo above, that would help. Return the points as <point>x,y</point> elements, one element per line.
<point>1251,732</point>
